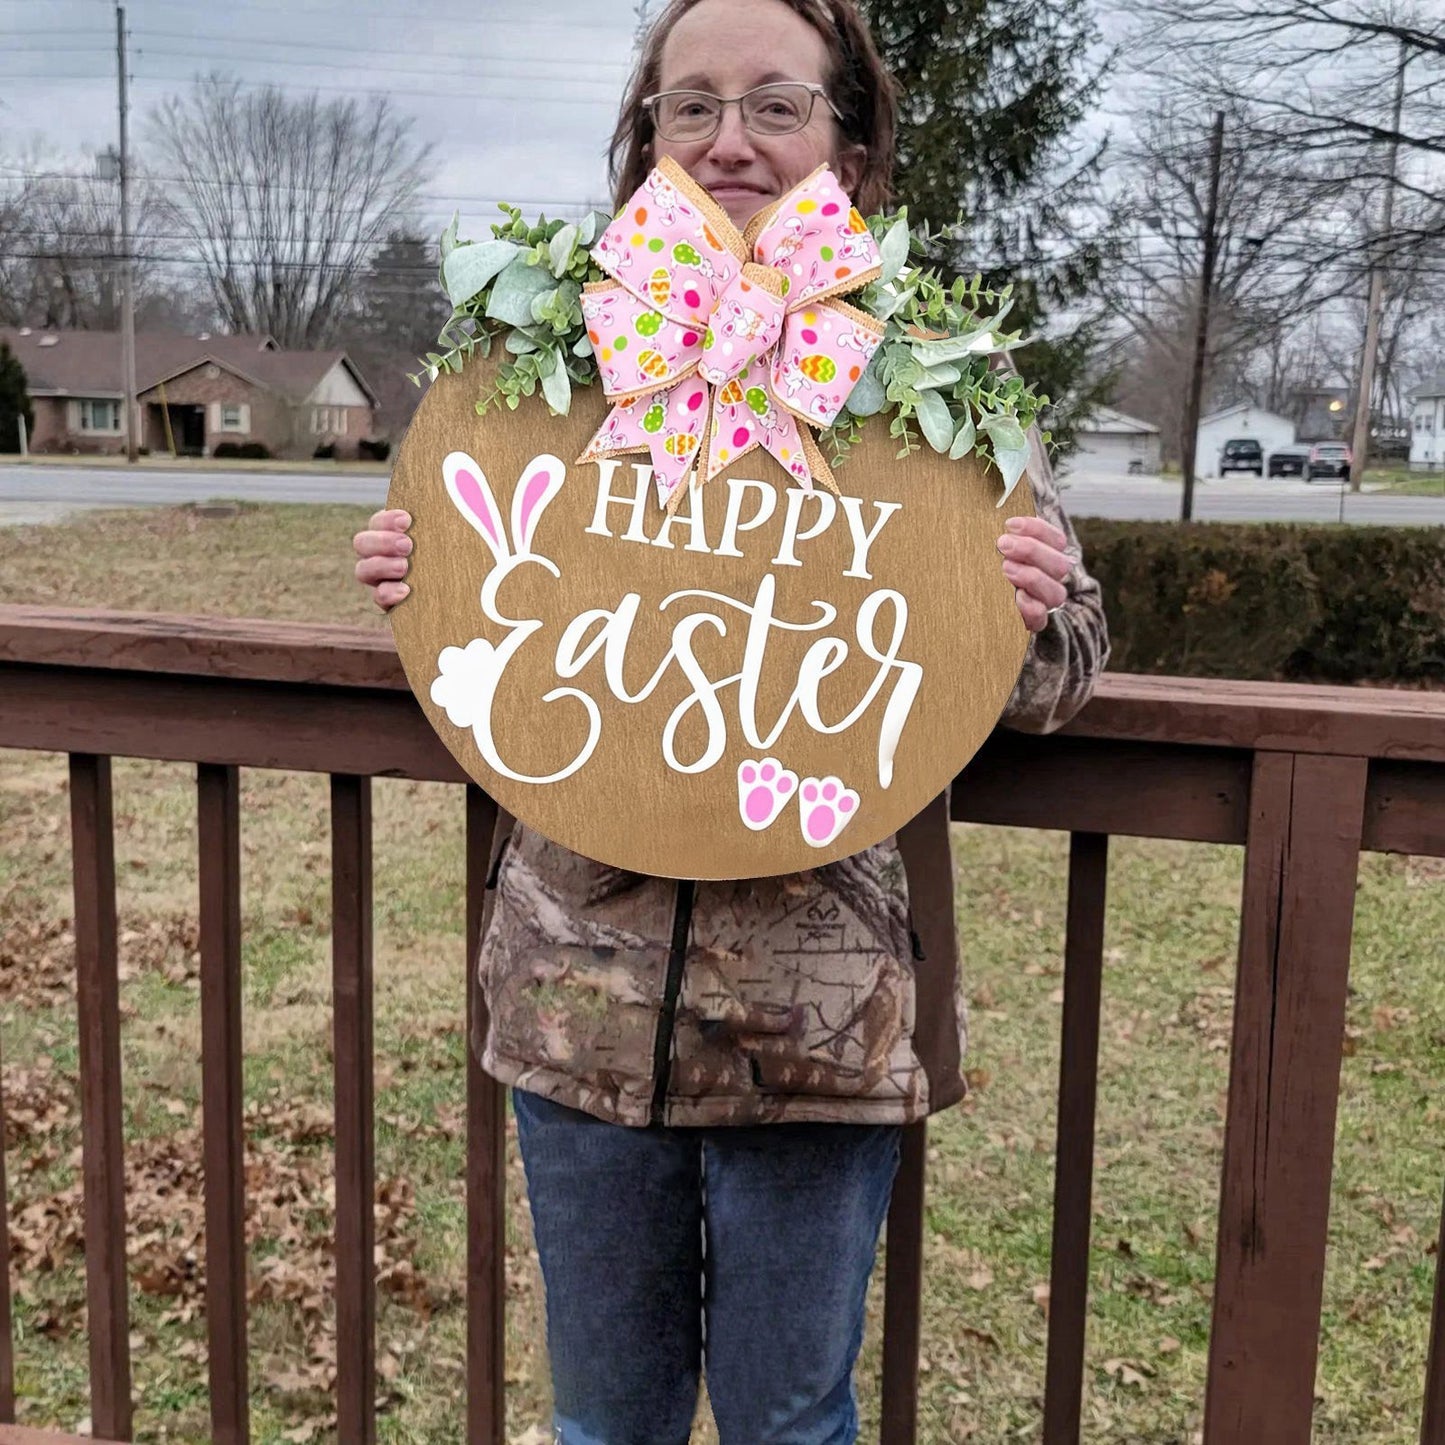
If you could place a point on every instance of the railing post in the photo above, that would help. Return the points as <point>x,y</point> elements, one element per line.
<point>1432,1427</point>
<point>1074,1151</point>
<point>219,820</point>
<point>903,1292</point>
<point>7,1336</point>
<point>486,1159</point>
<point>92,835</point>
<point>351,924</point>
<point>1306,813</point>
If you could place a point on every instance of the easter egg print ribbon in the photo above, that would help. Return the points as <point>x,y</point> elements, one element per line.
<point>712,343</point>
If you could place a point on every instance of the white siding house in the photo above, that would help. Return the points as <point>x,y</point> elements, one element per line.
<point>1427,427</point>
<point>1244,420</point>
<point>1110,442</point>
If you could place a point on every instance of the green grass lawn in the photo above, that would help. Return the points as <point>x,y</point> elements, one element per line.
<point>1402,482</point>
<point>1163,1075</point>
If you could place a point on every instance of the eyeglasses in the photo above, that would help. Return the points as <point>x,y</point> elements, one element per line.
<point>696,115</point>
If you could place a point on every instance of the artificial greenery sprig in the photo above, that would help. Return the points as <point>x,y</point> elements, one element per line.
<point>524,288</point>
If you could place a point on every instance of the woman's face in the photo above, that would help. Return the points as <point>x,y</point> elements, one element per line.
<point>728,47</point>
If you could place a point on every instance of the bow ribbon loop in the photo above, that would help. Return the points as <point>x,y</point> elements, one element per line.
<point>747,323</point>
<point>711,343</point>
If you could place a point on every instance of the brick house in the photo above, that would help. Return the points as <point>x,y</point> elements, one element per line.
<point>192,393</point>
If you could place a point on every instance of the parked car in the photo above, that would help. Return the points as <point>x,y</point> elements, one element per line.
<point>1288,461</point>
<point>1328,459</point>
<point>1243,454</point>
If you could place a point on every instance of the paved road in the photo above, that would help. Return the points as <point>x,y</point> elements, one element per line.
<point>30,494</point>
<point>1240,499</point>
<point>47,493</point>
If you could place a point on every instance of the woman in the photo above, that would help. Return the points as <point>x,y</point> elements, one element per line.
<point>709,1151</point>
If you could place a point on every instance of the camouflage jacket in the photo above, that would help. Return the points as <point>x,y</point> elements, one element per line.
<point>805,997</point>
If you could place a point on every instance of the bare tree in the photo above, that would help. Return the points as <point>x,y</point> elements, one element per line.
<point>1267,267</point>
<point>14,250</point>
<point>60,245</point>
<point>284,200</point>
<point>1318,71</point>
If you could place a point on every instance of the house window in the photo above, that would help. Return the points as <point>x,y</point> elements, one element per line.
<point>99,416</point>
<point>328,420</point>
<point>230,416</point>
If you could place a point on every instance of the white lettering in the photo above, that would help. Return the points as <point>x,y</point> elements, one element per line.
<point>694,520</point>
<point>827,510</point>
<point>863,541</point>
<point>733,523</point>
<point>642,476</point>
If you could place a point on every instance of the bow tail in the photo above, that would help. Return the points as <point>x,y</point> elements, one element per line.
<point>668,425</point>
<point>791,441</point>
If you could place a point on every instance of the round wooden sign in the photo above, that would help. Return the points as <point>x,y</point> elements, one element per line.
<point>767,680</point>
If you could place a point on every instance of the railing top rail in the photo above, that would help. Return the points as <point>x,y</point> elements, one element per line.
<point>1204,712</point>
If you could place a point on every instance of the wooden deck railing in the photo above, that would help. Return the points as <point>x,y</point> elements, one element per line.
<point>1302,778</point>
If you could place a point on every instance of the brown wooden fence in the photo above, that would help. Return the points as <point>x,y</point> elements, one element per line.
<point>1303,778</point>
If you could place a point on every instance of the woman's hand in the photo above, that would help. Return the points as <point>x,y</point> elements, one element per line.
<point>383,551</point>
<point>1036,563</point>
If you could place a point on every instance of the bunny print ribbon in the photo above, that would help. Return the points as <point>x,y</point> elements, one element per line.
<point>712,343</point>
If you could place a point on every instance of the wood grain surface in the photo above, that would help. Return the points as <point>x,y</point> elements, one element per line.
<point>627,805</point>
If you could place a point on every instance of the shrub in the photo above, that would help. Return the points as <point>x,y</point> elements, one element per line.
<point>375,451</point>
<point>1275,601</point>
<point>226,449</point>
<point>14,401</point>
<point>254,451</point>
<point>326,452</point>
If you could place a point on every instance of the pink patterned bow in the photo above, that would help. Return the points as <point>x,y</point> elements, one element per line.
<point>712,343</point>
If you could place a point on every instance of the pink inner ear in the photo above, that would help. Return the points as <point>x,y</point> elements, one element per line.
<point>470,491</point>
<point>537,484</point>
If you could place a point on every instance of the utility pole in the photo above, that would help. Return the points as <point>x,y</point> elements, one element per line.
<point>1189,442</point>
<point>127,298</point>
<point>1360,441</point>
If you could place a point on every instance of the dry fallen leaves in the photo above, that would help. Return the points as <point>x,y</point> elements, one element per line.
<point>290,1197</point>
<point>37,950</point>
<point>1128,1372</point>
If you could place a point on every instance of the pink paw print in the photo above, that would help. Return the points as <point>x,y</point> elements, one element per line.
<point>827,809</point>
<point>764,789</point>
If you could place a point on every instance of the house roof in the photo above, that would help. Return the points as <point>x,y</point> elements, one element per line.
<point>88,363</point>
<point>1434,387</point>
<point>1106,419</point>
<point>1243,406</point>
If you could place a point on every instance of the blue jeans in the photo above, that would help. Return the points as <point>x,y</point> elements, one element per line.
<point>743,1251</point>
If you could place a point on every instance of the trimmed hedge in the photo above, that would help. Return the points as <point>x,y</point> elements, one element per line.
<point>1272,601</point>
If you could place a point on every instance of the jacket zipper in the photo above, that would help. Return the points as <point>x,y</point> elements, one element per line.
<point>662,1050</point>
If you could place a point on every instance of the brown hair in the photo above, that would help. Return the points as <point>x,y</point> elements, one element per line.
<point>859,85</point>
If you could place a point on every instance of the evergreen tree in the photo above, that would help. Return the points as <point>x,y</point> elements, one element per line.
<point>14,401</point>
<point>994,93</point>
<point>398,309</point>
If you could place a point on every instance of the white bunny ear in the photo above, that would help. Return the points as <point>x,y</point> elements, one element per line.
<point>538,485</point>
<point>470,493</point>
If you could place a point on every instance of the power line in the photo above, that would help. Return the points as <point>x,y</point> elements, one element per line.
<point>351,13</point>
<point>454,199</point>
<point>330,49</point>
<point>525,96</point>
<point>354,12</point>
<point>474,72</point>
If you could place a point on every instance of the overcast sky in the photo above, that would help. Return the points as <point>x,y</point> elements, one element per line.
<point>516,97</point>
